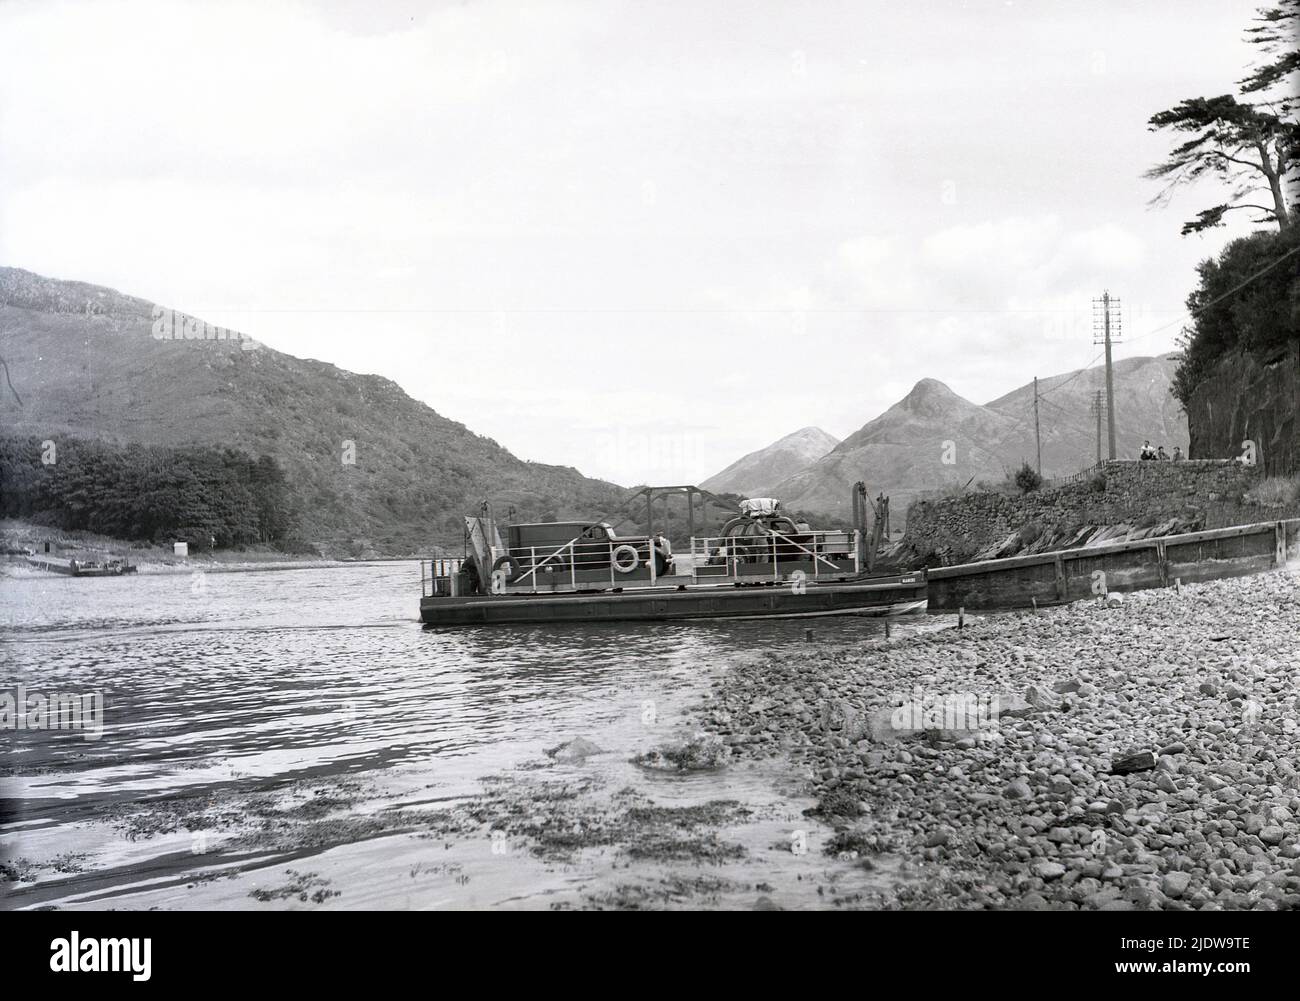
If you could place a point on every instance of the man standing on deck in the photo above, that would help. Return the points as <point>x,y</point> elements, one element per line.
<point>663,553</point>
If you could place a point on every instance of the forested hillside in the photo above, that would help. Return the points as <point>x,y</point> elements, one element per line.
<point>199,495</point>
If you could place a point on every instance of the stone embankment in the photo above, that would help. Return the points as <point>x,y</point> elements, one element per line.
<point>1139,754</point>
<point>1120,501</point>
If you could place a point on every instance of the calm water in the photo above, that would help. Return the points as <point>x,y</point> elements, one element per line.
<point>249,680</point>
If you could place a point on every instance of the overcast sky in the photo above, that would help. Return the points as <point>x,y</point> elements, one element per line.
<point>637,238</point>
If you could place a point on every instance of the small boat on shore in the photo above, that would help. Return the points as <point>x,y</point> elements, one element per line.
<point>762,564</point>
<point>81,568</point>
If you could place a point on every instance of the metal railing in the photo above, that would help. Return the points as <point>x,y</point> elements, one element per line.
<point>724,557</point>
<point>1083,474</point>
<point>614,563</point>
<point>611,558</point>
<point>440,578</point>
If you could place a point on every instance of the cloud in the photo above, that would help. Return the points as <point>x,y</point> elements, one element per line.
<point>695,228</point>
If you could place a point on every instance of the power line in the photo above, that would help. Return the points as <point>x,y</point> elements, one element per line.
<point>1227,295</point>
<point>1055,406</point>
<point>1192,314</point>
<point>1018,425</point>
<point>1086,368</point>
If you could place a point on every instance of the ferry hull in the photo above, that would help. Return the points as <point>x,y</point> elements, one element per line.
<point>890,596</point>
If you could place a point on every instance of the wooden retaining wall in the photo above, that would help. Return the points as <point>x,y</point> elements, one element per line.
<point>1071,575</point>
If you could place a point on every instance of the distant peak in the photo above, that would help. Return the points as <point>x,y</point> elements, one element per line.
<point>810,434</point>
<point>928,390</point>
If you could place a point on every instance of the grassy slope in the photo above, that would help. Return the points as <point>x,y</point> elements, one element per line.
<point>85,364</point>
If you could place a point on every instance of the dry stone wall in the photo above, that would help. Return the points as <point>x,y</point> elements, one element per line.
<point>1129,495</point>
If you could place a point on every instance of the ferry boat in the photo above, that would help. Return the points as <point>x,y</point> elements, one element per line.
<point>762,564</point>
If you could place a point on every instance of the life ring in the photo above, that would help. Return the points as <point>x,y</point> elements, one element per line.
<point>626,551</point>
<point>509,564</point>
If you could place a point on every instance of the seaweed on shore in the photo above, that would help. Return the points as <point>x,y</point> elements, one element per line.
<point>703,752</point>
<point>557,825</point>
<point>840,802</point>
<point>303,885</point>
<point>669,890</point>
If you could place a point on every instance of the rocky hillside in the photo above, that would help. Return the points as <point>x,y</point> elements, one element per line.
<point>84,362</point>
<point>1248,399</point>
<point>759,472</point>
<point>1145,409</point>
<point>934,440</point>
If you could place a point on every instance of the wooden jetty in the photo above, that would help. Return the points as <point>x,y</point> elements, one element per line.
<point>1056,578</point>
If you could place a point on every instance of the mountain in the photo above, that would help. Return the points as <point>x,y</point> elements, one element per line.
<point>757,473</point>
<point>85,362</point>
<point>934,439</point>
<point>1145,409</point>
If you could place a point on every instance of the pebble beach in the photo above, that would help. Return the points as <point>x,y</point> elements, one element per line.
<point>1136,754</point>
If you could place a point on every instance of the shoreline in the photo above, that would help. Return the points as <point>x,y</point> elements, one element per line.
<point>16,567</point>
<point>154,559</point>
<point>1190,697</point>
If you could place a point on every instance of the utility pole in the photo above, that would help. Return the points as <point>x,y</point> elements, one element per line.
<point>1109,332</point>
<point>1097,410</point>
<point>1038,434</point>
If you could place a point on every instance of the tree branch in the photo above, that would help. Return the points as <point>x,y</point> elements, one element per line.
<point>1233,159</point>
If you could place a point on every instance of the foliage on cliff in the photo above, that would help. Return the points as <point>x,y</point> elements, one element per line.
<point>1235,307</point>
